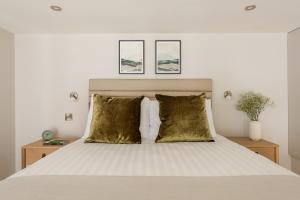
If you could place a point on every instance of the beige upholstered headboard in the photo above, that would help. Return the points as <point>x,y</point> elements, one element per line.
<point>150,87</point>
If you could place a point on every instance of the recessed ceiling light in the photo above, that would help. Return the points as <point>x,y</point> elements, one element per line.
<point>250,7</point>
<point>56,8</point>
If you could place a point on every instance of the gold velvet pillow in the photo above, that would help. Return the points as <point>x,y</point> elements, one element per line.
<point>183,119</point>
<point>115,120</point>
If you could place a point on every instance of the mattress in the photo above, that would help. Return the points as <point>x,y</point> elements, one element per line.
<point>196,159</point>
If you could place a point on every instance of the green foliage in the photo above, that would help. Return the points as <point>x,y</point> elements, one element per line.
<point>253,104</point>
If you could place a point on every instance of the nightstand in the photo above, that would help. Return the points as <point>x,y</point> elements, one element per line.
<point>262,147</point>
<point>37,150</point>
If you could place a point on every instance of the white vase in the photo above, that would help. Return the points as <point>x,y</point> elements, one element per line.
<point>255,130</point>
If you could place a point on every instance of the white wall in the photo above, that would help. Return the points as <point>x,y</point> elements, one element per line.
<point>48,67</point>
<point>294,97</point>
<point>7,104</point>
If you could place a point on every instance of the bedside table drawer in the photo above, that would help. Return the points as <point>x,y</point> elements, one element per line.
<point>35,154</point>
<point>266,152</point>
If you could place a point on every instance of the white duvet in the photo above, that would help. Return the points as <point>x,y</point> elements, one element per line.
<point>221,158</point>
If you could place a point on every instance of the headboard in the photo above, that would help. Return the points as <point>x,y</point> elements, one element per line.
<point>150,87</point>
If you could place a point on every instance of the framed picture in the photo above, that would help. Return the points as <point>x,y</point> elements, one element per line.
<point>168,56</point>
<point>131,57</point>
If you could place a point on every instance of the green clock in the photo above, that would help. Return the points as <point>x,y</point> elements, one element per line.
<point>47,135</point>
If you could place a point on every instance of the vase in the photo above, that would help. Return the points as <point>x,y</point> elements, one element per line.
<point>255,130</point>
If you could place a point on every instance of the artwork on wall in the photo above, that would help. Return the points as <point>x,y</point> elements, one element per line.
<point>168,57</point>
<point>131,57</point>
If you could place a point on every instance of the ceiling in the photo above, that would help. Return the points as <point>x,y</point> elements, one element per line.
<point>149,16</point>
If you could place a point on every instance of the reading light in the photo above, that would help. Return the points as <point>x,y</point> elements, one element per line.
<point>73,96</point>
<point>56,8</point>
<point>250,7</point>
<point>228,95</point>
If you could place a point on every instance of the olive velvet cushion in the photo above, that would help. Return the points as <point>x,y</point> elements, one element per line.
<point>115,120</point>
<point>183,119</point>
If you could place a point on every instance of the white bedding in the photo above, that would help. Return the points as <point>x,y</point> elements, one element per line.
<point>222,158</point>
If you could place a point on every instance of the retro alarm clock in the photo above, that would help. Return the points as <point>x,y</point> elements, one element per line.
<point>47,135</point>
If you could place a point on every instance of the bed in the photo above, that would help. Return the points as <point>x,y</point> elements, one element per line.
<point>218,170</point>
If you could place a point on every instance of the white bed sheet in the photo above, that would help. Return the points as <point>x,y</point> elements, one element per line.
<point>221,158</point>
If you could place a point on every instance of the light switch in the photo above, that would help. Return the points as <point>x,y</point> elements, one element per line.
<point>68,117</point>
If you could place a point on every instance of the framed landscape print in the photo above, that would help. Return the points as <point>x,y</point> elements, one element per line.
<point>131,57</point>
<point>168,56</point>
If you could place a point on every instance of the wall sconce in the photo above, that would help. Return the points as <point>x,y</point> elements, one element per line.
<point>228,95</point>
<point>73,96</point>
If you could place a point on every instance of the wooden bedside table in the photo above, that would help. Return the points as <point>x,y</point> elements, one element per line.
<point>37,150</point>
<point>262,147</point>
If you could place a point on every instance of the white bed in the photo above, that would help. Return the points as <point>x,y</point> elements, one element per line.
<point>221,170</point>
<point>221,158</point>
<point>165,171</point>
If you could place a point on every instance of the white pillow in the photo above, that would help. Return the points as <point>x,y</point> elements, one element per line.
<point>89,119</point>
<point>144,120</point>
<point>155,120</point>
<point>208,109</point>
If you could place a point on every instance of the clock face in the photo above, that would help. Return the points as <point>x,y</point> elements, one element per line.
<point>47,135</point>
